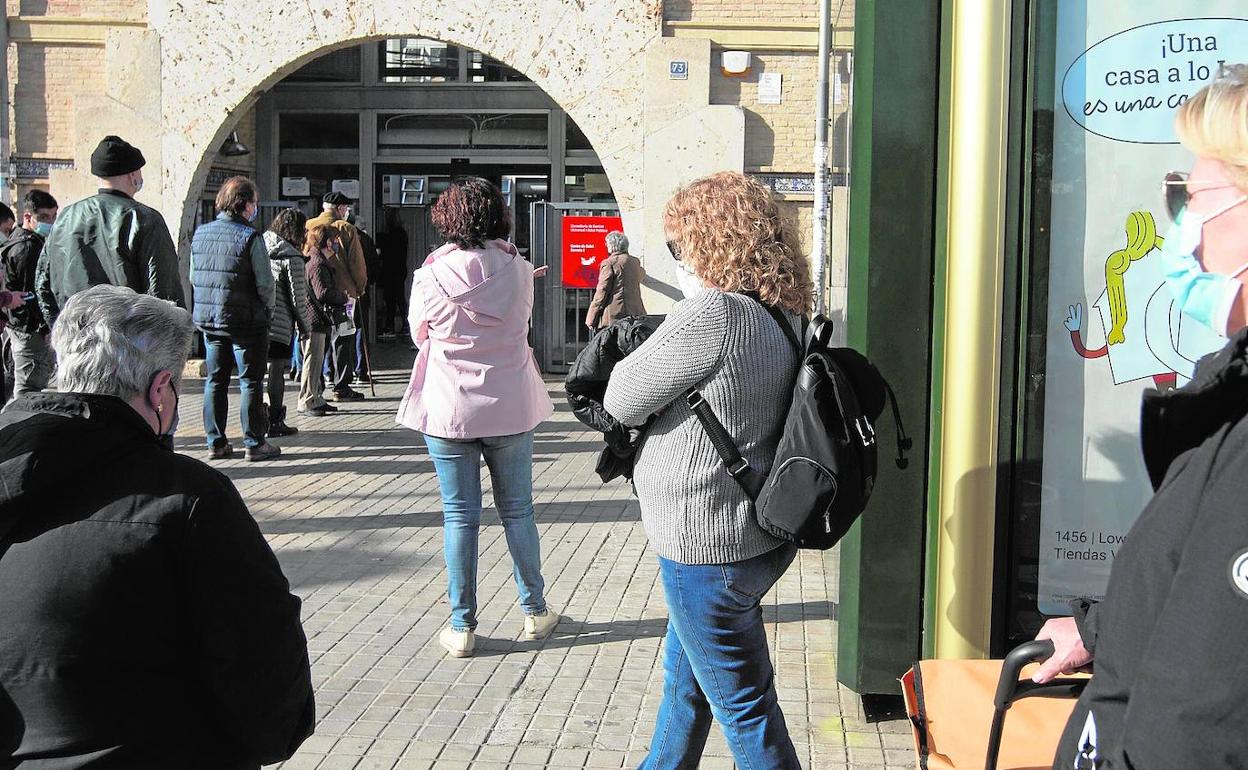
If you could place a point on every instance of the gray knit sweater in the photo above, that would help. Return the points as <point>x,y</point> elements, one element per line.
<point>733,351</point>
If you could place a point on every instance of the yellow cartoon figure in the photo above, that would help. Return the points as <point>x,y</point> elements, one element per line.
<point>1145,335</point>
<point>1141,239</point>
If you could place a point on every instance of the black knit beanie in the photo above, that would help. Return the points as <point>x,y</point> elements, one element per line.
<point>115,156</point>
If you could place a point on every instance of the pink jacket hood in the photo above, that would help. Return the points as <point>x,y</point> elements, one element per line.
<point>480,282</point>
<point>475,375</point>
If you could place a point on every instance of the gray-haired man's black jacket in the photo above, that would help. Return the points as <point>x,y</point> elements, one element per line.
<point>1170,677</point>
<point>144,621</point>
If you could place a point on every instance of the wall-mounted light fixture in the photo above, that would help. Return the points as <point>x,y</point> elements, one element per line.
<point>734,64</point>
<point>232,148</point>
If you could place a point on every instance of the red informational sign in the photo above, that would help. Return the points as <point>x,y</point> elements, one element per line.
<point>584,248</point>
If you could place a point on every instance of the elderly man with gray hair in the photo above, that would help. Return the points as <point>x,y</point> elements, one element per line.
<point>146,621</point>
<point>619,285</point>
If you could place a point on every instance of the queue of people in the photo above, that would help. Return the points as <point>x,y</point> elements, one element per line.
<point>254,304</point>
<point>219,676</point>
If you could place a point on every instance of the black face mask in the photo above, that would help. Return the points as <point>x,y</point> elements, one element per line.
<point>165,436</point>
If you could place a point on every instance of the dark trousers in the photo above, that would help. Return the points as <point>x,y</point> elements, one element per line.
<point>361,334</point>
<point>277,383</point>
<point>222,354</point>
<point>395,305</point>
<point>342,360</point>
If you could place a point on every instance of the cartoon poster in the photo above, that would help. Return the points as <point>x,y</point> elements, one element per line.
<point>1122,69</point>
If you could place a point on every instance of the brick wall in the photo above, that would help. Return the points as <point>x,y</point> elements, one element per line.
<point>45,80</point>
<point>778,138</point>
<point>741,10</point>
<point>91,9</point>
<point>781,137</point>
<point>775,11</point>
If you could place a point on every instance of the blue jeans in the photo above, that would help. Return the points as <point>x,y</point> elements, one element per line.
<point>458,465</point>
<point>251,356</point>
<point>715,662</point>
<point>296,353</point>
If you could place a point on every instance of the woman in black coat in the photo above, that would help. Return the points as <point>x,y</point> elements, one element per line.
<point>1167,641</point>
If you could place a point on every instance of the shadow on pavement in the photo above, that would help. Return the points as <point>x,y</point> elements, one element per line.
<point>284,468</point>
<point>578,633</point>
<point>588,511</point>
<point>350,523</point>
<point>310,568</point>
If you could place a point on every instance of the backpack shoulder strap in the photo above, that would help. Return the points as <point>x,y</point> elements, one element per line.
<point>818,332</point>
<point>738,467</point>
<point>783,323</point>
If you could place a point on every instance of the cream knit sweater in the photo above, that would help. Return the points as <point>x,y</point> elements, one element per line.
<point>732,350</point>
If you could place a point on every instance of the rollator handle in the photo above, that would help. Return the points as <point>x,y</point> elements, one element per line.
<point>1010,689</point>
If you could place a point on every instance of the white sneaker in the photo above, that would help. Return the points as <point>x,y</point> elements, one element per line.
<point>540,626</point>
<point>458,643</point>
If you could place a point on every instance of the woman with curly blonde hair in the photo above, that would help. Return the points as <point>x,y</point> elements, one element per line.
<point>716,563</point>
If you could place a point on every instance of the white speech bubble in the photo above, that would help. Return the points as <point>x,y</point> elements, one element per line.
<point>1128,86</point>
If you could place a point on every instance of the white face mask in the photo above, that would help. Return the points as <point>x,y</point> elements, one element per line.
<point>689,283</point>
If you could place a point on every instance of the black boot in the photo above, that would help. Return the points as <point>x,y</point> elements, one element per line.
<point>277,423</point>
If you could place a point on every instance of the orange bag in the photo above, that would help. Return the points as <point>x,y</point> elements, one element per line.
<point>958,708</point>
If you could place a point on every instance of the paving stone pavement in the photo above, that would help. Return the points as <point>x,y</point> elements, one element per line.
<point>352,511</point>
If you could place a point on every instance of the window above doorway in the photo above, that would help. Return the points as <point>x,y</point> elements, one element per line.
<point>463,131</point>
<point>425,60</point>
<point>341,66</point>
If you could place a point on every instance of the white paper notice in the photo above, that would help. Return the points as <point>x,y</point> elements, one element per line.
<point>769,88</point>
<point>1123,67</point>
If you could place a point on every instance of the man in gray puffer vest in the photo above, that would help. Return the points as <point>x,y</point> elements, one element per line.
<point>234,296</point>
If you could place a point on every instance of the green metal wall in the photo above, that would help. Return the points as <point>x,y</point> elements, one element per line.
<point>892,213</point>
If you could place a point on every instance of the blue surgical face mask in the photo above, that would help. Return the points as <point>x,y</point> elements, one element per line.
<point>1205,297</point>
<point>254,213</point>
<point>43,228</point>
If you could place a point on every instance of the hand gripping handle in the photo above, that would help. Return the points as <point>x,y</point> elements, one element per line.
<point>1010,689</point>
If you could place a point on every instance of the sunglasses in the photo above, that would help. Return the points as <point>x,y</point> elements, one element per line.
<point>674,249</point>
<point>1179,193</point>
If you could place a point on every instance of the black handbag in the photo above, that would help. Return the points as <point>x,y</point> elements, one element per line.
<point>337,314</point>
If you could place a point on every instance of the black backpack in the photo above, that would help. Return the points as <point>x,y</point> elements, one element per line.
<point>825,463</point>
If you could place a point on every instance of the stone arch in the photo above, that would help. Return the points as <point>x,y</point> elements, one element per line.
<point>215,58</point>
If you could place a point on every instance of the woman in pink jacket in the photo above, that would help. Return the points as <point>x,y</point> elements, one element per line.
<point>476,390</point>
